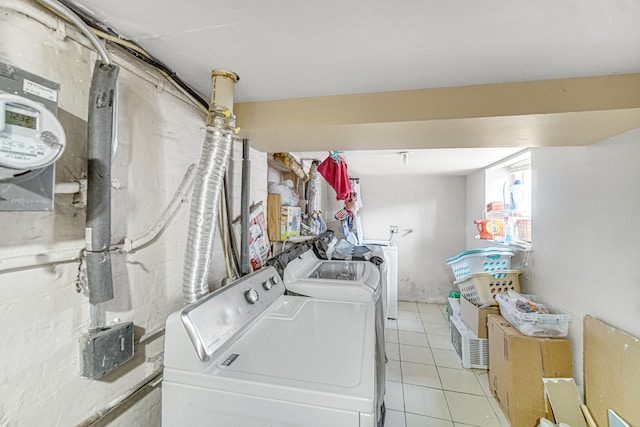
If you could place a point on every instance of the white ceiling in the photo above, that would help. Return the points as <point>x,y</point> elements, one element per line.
<point>297,49</point>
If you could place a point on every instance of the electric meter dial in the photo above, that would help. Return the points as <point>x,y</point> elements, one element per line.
<point>31,137</point>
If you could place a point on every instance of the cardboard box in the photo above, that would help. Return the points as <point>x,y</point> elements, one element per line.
<point>517,364</point>
<point>273,217</point>
<point>289,221</point>
<point>259,246</point>
<point>495,206</point>
<point>475,317</point>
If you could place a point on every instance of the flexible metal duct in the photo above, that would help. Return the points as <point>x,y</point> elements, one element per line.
<point>208,185</point>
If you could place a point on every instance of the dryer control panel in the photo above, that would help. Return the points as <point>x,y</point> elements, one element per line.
<point>218,317</point>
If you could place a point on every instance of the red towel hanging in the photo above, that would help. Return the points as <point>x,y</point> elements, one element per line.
<point>334,170</point>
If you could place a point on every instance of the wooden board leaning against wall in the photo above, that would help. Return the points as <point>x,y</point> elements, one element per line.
<point>611,372</point>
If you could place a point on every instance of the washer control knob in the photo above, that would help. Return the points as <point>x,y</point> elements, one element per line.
<point>252,296</point>
<point>269,283</point>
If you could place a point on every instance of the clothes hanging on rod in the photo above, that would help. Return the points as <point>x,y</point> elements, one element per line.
<point>334,170</point>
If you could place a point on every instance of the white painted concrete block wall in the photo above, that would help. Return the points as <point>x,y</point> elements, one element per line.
<point>586,240</point>
<point>434,208</point>
<point>475,208</point>
<point>44,309</point>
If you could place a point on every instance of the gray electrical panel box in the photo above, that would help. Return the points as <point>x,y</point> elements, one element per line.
<point>105,350</point>
<point>33,190</point>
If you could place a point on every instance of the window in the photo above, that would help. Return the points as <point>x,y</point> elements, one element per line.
<point>508,186</point>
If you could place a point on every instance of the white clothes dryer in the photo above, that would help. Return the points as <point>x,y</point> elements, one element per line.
<point>249,356</point>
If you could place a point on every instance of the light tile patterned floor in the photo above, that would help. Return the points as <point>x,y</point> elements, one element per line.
<point>426,383</point>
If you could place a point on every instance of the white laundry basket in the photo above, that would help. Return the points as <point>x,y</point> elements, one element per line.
<point>488,260</point>
<point>482,288</point>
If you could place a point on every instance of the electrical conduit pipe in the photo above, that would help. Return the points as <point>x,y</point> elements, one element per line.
<point>208,184</point>
<point>245,257</point>
<point>99,146</point>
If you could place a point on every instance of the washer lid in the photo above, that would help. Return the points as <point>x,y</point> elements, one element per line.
<point>352,271</point>
<point>304,350</point>
<point>299,333</point>
<point>307,275</point>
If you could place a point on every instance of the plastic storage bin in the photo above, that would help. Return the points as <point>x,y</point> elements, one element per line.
<point>482,288</point>
<point>552,325</point>
<point>475,261</point>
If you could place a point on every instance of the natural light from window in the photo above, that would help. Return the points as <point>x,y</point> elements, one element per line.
<point>507,216</point>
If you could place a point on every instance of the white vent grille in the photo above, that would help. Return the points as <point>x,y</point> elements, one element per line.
<point>473,351</point>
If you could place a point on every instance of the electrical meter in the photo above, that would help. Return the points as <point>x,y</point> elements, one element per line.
<point>31,137</point>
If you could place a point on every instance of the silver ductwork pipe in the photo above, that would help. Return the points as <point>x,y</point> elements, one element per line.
<point>221,125</point>
<point>99,145</point>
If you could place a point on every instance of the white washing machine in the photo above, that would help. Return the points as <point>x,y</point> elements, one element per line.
<point>390,281</point>
<point>250,356</point>
<point>355,281</point>
<point>343,280</point>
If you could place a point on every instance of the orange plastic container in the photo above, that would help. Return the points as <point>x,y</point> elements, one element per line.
<point>489,229</point>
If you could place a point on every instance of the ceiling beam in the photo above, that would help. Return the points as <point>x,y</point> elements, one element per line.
<point>578,111</point>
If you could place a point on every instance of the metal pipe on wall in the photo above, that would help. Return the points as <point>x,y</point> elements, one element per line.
<point>142,387</point>
<point>74,251</point>
<point>71,16</point>
<point>232,237</point>
<point>245,262</point>
<point>99,147</point>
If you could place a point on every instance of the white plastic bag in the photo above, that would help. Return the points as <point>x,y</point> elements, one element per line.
<point>288,197</point>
